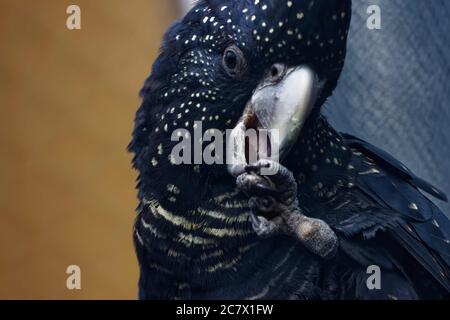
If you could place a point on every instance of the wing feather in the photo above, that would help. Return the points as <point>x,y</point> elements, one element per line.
<point>390,163</point>
<point>424,230</point>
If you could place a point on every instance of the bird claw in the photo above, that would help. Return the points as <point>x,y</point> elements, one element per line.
<point>275,210</point>
<point>269,196</point>
<point>282,185</point>
<point>264,190</point>
<point>256,168</point>
<point>316,235</point>
<point>254,184</point>
<point>263,227</point>
<point>262,205</point>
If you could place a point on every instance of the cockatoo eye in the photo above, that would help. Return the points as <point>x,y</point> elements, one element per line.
<point>234,61</point>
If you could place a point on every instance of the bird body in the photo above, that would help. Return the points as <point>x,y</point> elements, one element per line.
<point>212,251</point>
<point>194,234</point>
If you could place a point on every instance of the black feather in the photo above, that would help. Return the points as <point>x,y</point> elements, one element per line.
<point>423,231</point>
<point>388,162</point>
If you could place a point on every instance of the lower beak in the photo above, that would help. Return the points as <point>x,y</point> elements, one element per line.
<point>278,108</point>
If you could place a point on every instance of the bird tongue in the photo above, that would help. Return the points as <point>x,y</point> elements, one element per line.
<point>276,112</point>
<point>249,142</point>
<point>256,146</point>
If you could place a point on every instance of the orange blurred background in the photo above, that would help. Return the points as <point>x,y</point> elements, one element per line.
<point>67,103</point>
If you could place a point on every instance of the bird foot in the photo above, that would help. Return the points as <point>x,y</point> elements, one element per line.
<point>275,209</point>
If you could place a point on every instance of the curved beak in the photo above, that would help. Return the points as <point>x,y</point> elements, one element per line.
<point>278,109</point>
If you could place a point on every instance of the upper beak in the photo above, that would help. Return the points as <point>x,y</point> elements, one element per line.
<point>281,104</point>
<point>284,105</point>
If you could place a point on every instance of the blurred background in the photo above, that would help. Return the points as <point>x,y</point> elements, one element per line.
<point>67,103</point>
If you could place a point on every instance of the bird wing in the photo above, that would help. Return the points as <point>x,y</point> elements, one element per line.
<point>388,162</point>
<point>420,227</point>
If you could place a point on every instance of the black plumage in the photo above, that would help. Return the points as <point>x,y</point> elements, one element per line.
<point>193,235</point>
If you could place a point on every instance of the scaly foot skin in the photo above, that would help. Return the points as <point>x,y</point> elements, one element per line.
<point>275,209</point>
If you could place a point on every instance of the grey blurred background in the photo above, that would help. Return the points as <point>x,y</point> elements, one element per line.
<point>394,91</point>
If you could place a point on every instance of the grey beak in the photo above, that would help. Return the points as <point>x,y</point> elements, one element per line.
<point>281,103</point>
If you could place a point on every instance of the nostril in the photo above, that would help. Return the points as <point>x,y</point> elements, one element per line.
<point>276,72</point>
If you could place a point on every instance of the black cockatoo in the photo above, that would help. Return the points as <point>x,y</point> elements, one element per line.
<point>336,205</point>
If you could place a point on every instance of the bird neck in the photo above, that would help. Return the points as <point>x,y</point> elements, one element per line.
<point>320,160</point>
